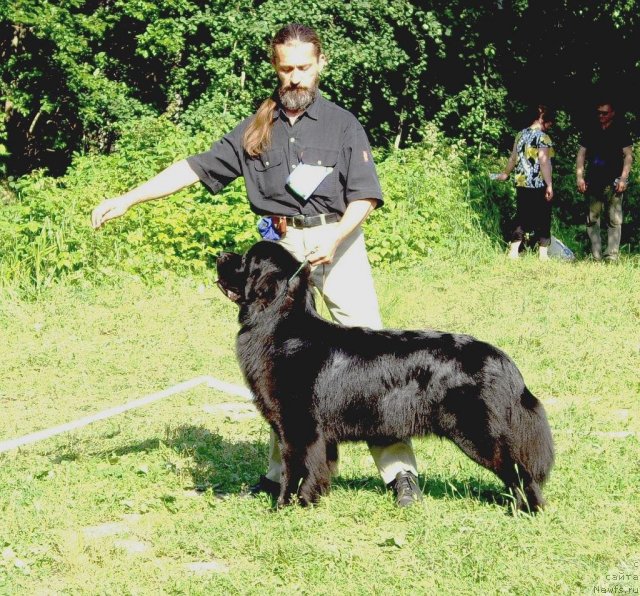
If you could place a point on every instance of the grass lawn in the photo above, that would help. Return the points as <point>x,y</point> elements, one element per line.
<point>153,501</point>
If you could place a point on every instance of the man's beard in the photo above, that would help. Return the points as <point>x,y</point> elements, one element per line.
<point>297,99</point>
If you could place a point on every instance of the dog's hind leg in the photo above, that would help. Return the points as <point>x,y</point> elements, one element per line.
<point>526,492</point>
<point>495,455</point>
<point>533,500</point>
<point>516,445</point>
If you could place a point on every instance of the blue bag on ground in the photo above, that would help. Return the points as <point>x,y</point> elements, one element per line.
<point>558,250</point>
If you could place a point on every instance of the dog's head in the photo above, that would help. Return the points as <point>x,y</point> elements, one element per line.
<point>265,273</point>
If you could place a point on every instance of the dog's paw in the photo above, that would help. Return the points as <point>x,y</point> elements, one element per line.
<point>283,501</point>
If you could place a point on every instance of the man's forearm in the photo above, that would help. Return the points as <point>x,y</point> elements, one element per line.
<point>355,214</point>
<point>580,163</point>
<point>172,179</point>
<point>628,161</point>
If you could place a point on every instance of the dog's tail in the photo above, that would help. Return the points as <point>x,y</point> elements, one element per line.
<point>535,451</point>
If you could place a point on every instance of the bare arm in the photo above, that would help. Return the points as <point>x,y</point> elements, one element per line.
<point>582,185</point>
<point>513,159</point>
<point>545,169</point>
<point>355,214</point>
<point>623,181</point>
<point>171,180</point>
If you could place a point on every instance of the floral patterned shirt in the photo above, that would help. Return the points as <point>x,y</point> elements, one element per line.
<point>527,170</point>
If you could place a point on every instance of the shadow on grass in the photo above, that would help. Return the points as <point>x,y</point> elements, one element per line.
<point>436,488</point>
<point>230,468</point>
<point>210,461</point>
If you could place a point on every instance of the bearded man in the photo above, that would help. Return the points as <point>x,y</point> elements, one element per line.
<point>310,175</point>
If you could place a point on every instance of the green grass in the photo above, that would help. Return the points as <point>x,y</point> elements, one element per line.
<point>170,477</point>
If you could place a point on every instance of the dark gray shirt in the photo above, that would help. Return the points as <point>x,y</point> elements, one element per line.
<point>605,158</point>
<point>324,135</point>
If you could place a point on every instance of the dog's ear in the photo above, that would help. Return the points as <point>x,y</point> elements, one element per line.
<point>266,286</point>
<point>270,277</point>
<point>272,271</point>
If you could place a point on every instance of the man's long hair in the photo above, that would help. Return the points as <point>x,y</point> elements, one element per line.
<point>257,137</point>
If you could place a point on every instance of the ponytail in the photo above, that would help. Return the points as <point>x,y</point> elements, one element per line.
<point>257,137</point>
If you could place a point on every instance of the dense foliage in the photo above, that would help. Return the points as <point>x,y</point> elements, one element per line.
<point>73,72</point>
<point>97,95</point>
<point>45,233</point>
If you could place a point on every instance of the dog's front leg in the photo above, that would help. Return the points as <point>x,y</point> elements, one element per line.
<point>293,472</point>
<point>306,472</point>
<point>320,459</point>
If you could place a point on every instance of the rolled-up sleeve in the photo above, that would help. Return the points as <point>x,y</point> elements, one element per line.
<point>361,178</point>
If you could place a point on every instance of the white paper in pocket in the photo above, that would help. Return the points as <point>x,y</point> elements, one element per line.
<point>305,179</point>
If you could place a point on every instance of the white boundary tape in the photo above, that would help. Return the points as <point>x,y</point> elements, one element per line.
<point>136,403</point>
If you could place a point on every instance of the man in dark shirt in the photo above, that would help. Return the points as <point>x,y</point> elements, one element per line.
<point>308,168</point>
<point>607,150</point>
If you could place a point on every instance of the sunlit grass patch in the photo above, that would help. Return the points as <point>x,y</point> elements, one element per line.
<point>155,500</point>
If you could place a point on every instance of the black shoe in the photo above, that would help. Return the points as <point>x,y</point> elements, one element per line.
<point>406,489</point>
<point>264,485</point>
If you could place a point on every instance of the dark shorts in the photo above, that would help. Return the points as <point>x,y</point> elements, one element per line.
<point>533,216</point>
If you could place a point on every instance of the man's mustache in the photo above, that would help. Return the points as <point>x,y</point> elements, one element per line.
<point>289,88</point>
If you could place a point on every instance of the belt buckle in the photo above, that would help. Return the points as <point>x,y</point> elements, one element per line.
<point>298,221</point>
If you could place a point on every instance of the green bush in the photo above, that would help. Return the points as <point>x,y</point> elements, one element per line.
<point>45,234</point>
<point>427,190</point>
<point>45,231</point>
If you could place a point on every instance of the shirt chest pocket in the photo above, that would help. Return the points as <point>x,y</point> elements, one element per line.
<point>328,158</point>
<point>270,173</point>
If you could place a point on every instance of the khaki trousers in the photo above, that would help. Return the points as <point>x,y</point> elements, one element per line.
<point>608,202</point>
<point>346,286</point>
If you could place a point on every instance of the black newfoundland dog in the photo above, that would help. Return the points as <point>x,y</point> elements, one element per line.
<point>318,383</point>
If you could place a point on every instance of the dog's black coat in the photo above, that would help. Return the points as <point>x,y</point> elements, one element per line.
<point>318,383</point>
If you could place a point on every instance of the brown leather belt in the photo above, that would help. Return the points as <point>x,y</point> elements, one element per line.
<point>305,221</point>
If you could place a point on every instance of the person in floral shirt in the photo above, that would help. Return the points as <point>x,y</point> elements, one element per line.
<point>531,160</point>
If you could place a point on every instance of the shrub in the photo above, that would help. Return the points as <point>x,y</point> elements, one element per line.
<point>45,231</point>
<point>45,234</point>
<point>427,191</point>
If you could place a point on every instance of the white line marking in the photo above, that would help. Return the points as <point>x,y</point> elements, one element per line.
<point>229,388</point>
<point>136,403</point>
